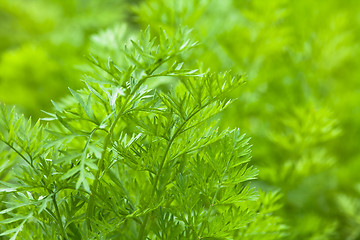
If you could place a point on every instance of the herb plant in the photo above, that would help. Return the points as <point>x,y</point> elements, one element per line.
<point>119,160</point>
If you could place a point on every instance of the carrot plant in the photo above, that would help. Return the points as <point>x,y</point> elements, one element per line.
<point>120,160</point>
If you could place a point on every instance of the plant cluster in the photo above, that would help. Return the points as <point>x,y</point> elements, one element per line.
<point>119,160</point>
<point>144,150</point>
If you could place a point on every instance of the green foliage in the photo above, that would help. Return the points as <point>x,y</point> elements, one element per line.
<point>42,44</point>
<point>117,137</point>
<point>300,103</point>
<point>119,160</point>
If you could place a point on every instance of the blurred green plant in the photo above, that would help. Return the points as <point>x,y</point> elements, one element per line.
<point>42,44</point>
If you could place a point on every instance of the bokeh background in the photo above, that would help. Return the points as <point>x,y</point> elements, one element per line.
<point>300,104</point>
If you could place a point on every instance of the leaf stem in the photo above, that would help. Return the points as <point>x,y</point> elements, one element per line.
<point>178,131</point>
<point>58,216</point>
<point>90,208</point>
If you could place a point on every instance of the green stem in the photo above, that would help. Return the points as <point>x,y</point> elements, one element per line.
<point>143,225</point>
<point>178,131</point>
<point>58,216</point>
<point>19,153</point>
<point>90,208</point>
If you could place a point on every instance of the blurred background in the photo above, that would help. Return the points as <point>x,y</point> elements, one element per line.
<point>300,104</point>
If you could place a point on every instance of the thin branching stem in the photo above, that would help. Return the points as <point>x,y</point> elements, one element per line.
<point>162,163</point>
<point>90,208</point>
<point>58,216</point>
